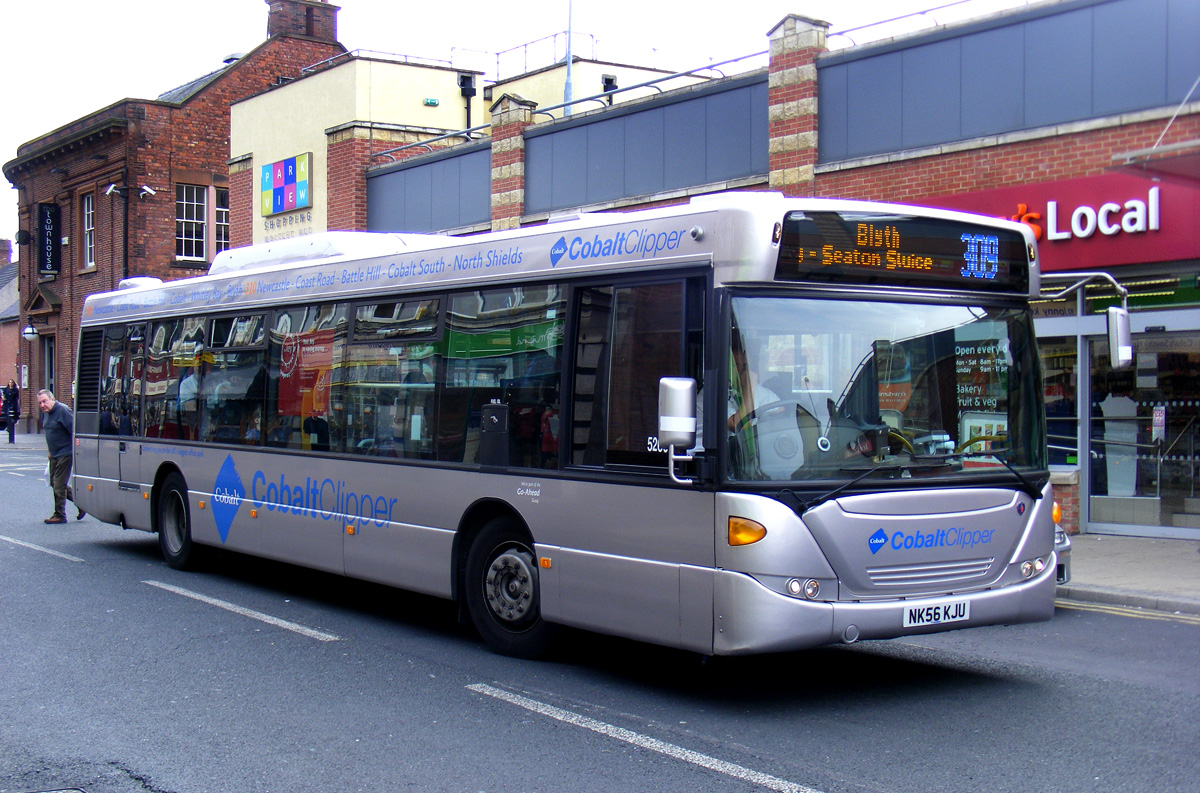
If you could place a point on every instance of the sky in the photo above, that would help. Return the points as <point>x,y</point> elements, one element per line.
<point>63,59</point>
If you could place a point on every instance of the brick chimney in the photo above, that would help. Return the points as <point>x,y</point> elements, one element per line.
<point>315,19</point>
<point>5,252</point>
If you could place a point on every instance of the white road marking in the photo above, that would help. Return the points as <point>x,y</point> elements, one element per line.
<point>320,636</point>
<point>30,545</point>
<point>645,742</point>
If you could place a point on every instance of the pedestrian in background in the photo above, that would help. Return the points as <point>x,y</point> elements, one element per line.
<point>12,407</point>
<point>59,426</point>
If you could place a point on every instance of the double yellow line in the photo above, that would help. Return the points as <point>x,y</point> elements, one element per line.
<point>1125,611</point>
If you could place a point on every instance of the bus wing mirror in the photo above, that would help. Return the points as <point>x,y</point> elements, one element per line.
<point>676,420</point>
<point>1120,341</point>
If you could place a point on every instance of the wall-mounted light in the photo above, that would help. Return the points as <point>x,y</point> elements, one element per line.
<point>29,333</point>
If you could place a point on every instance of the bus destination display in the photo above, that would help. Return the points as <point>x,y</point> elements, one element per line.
<point>901,250</point>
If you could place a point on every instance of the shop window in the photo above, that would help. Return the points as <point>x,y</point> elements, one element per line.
<point>1059,380</point>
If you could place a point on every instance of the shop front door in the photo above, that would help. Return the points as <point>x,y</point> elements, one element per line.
<point>1145,438</point>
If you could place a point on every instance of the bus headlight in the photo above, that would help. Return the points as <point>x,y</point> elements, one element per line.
<point>809,588</point>
<point>1032,567</point>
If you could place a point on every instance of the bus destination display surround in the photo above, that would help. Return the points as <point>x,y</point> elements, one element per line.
<point>901,251</point>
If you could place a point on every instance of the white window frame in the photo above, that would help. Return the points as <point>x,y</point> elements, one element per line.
<point>191,222</point>
<point>221,221</point>
<point>201,221</point>
<point>87,213</point>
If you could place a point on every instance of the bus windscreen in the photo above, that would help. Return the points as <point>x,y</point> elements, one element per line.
<point>901,250</point>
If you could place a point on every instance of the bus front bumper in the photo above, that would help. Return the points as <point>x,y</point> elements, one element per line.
<point>751,618</point>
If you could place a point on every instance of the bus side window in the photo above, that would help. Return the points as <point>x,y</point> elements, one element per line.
<point>388,386</point>
<point>305,347</point>
<point>503,345</point>
<point>628,338</point>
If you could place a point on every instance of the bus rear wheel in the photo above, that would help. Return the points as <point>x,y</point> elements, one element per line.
<point>502,591</point>
<point>175,523</point>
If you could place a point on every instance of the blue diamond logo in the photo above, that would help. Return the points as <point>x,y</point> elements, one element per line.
<point>557,252</point>
<point>228,492</point>
<point>877,541</point>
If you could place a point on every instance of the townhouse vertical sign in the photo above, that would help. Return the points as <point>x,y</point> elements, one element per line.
<point>48,240</point>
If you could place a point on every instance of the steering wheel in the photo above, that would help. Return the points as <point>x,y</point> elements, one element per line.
<point>776,437</point>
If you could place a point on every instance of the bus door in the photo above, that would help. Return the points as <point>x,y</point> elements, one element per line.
<point>119,446</point>
<point>640,564</point>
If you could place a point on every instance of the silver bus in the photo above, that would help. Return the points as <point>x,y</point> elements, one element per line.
<point>745,424</point>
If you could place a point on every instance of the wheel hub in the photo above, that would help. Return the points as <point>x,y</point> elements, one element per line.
<point>510,585</point>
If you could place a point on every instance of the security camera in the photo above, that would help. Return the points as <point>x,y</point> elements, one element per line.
<point>146,190</point>
<point>112,188</point>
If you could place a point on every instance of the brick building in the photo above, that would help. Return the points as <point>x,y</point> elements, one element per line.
<point>140,187</point>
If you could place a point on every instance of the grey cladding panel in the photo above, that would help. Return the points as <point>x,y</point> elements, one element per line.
<point>1130,53</point>
<point>832,99</point>
<point>418,199</point>
<point>727,119</point>
<point>385,203</point>
<point>993,74</point>
<point>759,131</point>
<point>1051,64</point>
<point>873,87</point>
<point>1058,69</point>
<point>445,193</point>
<point>475,187</point>
<point>568,159</point>
<point>644,144</point>
<point>539,173</point>
<point>931,93</point>
<point>700,139</point>
<point>605,166</point>
<point>1183,49</point>
<point>444,198</point>
<point>683,163</point>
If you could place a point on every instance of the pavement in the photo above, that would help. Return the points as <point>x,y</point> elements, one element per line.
<point>1138,572</point>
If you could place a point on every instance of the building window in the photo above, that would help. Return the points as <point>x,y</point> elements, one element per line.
<point>87,212</point>
<point>191,209</point>
<point>222,224</point>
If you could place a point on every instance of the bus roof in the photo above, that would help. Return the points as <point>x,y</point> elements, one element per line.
<point>733,231</point>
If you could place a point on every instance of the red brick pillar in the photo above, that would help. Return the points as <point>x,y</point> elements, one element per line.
<point>792,103</point>
<point>348,154</point>
<point>1066,493</point>
<point>511,115</point>
<point>242,201</point>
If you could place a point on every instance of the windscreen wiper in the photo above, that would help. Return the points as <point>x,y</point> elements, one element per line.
<point>996,454</point>
<point>821,499</point>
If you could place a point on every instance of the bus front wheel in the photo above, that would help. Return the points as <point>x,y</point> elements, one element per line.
<point>175,523</point>
<point>502,591</point>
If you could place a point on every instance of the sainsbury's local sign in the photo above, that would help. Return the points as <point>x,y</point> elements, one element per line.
<point>1096,222</point>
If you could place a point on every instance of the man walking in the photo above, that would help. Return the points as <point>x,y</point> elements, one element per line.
<point>59,426</point>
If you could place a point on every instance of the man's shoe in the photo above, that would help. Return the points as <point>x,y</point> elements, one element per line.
<point>54,519</point>
<point>81,514</point>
